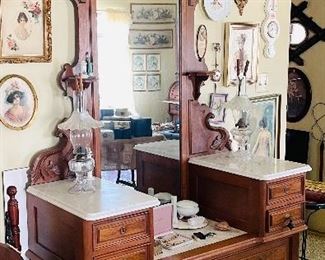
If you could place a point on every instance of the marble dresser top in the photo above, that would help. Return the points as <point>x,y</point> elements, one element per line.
<point>258,168</point>
<point>108,200</point>
<point>168,149</point>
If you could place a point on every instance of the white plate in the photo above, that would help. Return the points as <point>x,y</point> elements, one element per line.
<point>184,225</point>
<point>217,9</point>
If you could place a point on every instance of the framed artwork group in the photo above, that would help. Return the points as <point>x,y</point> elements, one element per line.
<point>145,62</point>
<point>144,82</point>
<point>25,31</point>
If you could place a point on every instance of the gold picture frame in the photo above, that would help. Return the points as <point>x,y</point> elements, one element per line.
<point>18,102</point>
<point>241,42</point>
<point>25,31</point>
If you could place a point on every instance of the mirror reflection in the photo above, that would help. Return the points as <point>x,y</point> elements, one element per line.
<point>298,33</point>
<point>138,82</point>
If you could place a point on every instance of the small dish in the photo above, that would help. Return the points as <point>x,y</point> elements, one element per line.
<point>185,225</point>
<point>163,197</point>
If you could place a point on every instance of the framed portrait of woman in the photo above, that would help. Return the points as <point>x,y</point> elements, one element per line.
<point>25,31</point>
<point>265,138</point>
<point>18,102</point>
<point>241,45</point>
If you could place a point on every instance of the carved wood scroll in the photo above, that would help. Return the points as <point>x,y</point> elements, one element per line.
<point>12,219</point>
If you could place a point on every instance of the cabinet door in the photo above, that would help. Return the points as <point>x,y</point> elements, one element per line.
<point>141,253</point>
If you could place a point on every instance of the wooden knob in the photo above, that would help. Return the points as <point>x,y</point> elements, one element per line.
<point>286,189</point>
<point>123,230</point>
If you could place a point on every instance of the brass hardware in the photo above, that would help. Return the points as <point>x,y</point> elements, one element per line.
<point>123,230</point>
<point>241,4</point>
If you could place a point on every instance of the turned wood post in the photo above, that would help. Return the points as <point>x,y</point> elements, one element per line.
<point>13,213</point>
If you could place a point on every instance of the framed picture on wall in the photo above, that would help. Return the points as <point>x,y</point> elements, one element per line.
<point>241,46</point>
<point>139,82</point>
<point>153,62</point>
<point>217,101</point>
<point>153,82</point>
<point>153,13</point>
<point>151,39</point>
<point>265,139</point>
<point>138,62</point>
<point>25,30</point>
<point>18,102</point>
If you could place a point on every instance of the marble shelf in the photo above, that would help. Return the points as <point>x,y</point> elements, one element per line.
<point>259,168</point>
<point>108,200</point>
<point>168,149</point>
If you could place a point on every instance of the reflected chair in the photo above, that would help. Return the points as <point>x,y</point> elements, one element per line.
<point>315,201</point>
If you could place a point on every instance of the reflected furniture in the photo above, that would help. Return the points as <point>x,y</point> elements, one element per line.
<point>114,222</point>
<point>157,166</point>
<point>119,154</point>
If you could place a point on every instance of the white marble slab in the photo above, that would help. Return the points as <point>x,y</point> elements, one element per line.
<point>168,148</point>
<point>108,200</point>
<point>220,236</point>
<point>259,168</point>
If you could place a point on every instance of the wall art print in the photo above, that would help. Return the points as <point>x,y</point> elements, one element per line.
<point>241,44</point>
<point>153,62</point>
<point>264,140</point>
<point>151,39</point>
<point>153,13</point>
<point>18,102</point>
<point>25,31</point>
<point>138,62</point>
<point>153,82</point>
<point>139,82</point>
<point>217,102</point>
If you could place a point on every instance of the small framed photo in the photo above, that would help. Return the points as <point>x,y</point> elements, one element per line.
<point>265,139</point>
<point>18,102</point>
<point>241,46</point>
<point>153,82</point>
<point>217,102</point>
<point>138,62</point>
<point>151,39</point>
<point>139,82</point>
<point>25,31</point>
<point>153,62</point>
<point>153,13</point>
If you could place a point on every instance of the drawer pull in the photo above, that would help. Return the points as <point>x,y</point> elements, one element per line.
<point>286,190</point>
<point>289,222</point>
<point>123,230</point>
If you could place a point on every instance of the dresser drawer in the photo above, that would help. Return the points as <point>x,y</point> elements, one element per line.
<point>285,190</point>
<point>282,218</point>
<point>122,232</point>
<point>141,253</point>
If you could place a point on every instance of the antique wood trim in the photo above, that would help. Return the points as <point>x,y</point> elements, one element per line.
<point>52,164</point>
<point>13,216</point>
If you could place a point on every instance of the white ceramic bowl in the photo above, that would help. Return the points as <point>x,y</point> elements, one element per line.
<point>163,197</point>
<point>187,208</point>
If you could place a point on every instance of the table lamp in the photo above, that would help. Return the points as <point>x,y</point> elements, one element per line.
<point>80,124</point>
<point>242,110</point>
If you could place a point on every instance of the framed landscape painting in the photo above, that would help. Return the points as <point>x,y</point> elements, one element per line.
<point>25,31</point>
<point>151,39</point>
<point>265,138</point>
<point>153,13</point>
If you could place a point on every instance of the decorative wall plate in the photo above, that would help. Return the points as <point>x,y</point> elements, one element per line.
<point>299,95</point>
<point>201,41</point>
<point>217,9</point>
<point>270,28</point>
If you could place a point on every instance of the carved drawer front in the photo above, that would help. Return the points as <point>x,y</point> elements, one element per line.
<point>122,232</point>
<point>133,254</point>
<point>285,190</point>
<point>284,218</point>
